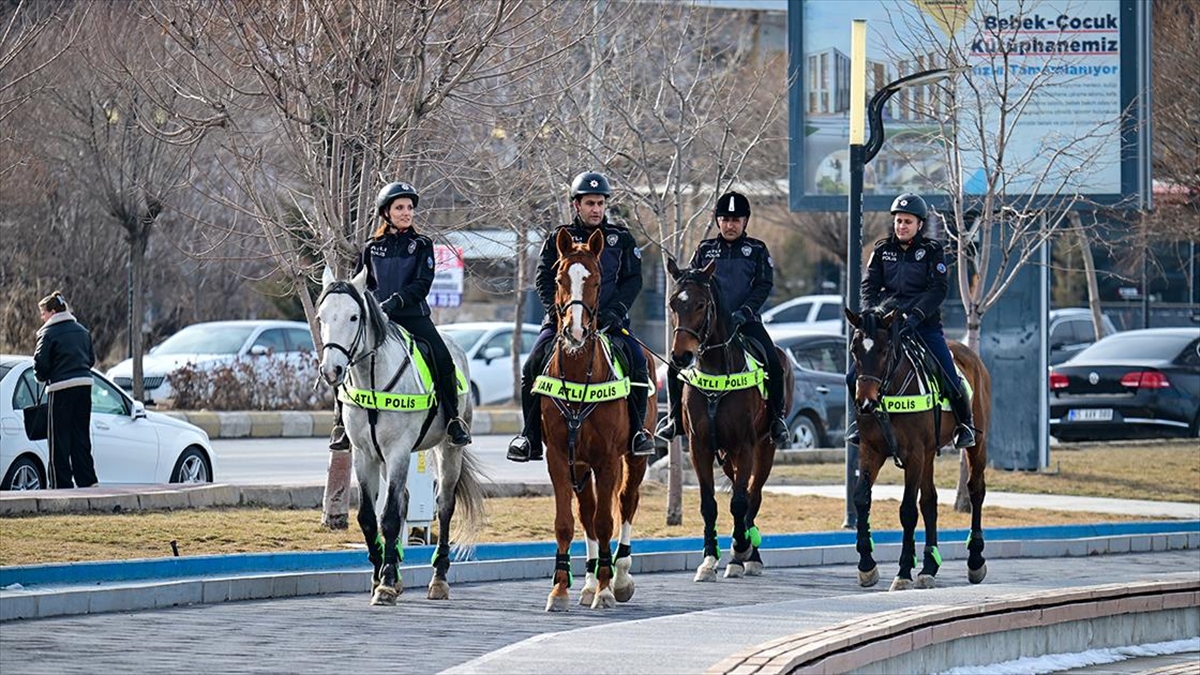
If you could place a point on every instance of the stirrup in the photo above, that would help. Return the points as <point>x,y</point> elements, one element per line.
<point>642,444</point>
<point>964,436</point>
<point>780,432</point>
<point>852,435</point>
<point>666,429</point>
<point>338,440</point>
<point>522,449</point>
<point>458,432</point>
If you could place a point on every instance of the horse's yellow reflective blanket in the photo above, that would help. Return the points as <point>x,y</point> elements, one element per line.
<point>753,376</point>
<point>922,402</point>
<point>577,392</point>
<point>386,400</point>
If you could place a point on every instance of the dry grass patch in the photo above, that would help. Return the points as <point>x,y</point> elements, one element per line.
<point>64,538</point>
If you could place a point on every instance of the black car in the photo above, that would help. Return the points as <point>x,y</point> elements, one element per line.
<point>1136,384</point>
<point>818,415</point>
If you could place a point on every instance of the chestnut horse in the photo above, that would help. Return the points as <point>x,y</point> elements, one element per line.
<point>900,416</point>
<point>585,424</point>
<point>725,415</point>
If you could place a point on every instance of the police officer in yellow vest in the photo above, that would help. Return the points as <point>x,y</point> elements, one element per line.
<point>745,276</point>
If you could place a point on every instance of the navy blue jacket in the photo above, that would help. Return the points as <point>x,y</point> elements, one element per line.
<point>914,279</point>
<point>64,354</point>
<point>745,273</point>
<point>620,268</point>
<point>400,263</point>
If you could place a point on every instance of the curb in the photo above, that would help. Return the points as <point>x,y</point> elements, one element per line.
<point>314,423</point>
<point>38,591</point>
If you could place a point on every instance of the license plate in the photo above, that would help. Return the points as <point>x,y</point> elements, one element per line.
<point>1090,415</point>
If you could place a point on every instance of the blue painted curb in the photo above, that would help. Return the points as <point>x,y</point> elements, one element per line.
<point>304,561</point>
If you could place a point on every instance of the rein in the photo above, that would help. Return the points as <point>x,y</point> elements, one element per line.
<point>575,418</point>
<point>896,354</point>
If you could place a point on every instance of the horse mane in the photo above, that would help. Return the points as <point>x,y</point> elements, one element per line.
<point>381,327</point>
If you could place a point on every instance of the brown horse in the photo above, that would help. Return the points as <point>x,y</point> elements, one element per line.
<point>725,420</point>
<point>892,376</point>
<point>585,424</point>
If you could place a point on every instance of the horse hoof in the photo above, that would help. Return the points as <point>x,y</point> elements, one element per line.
<point>623,592</point>
<point>384,596</point>
<point>707,570</point>
<point>976,576</point>
<point>556,603</point>
<point>586,597</point>
<point>925,581</point>
<point>868,579</point>
<point>735,570</point>
<point>901,584</point>
<point>439,590</point>
<point>604,600</point>
<point>754,569</point>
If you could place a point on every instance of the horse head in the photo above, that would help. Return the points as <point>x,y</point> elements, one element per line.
<point>578,287</point>
<point>351,322</point>
<point>695,311</point>
<point>875,352</point>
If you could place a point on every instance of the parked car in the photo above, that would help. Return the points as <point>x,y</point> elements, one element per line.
<point>822,313</point>
<point>488,345</point>
<point>129,444</point>
<point>1071,330</point>
<point>818,414</point>
<point>271,344</point>
<point>1135,384</point>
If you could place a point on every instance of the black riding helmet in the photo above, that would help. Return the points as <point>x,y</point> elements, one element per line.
<point>590,183</point>
<point>911,204</point>
<point>732,204</point>
<point>391,192</point>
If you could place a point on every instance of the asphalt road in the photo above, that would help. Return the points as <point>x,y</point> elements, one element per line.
<point>303,461</point>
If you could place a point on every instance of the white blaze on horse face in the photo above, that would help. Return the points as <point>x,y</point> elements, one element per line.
<point>683,296</point>
<point>577,273</point>
<point>868,344</point>
<point>334,316</point>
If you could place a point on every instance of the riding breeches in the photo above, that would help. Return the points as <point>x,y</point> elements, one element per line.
<point>443,364</point>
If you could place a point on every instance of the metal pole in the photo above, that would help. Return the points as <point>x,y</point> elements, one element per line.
<point>858,98</point>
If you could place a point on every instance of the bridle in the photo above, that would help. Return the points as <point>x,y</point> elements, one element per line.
<point>358,334</point>
<point>705,331</point>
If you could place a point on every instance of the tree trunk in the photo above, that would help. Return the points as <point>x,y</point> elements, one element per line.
<point>518,335</point>
<point>675,447</point>
<point>139,240</point>
<point>1089,271</point>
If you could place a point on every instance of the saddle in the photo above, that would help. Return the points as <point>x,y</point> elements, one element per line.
<point>930,387</point>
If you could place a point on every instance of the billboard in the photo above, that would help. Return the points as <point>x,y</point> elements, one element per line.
<point>447,288</point>
<point>1062,77</point>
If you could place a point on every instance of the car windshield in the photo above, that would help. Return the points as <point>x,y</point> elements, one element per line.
<point>1125,346</point>
<point>465,337</point>
<point>4,371</point>
<point>206,340</point>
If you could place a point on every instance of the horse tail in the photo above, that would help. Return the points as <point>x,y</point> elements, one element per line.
<point>469,495</point>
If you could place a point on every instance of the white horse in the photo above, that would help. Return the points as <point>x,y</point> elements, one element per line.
<point>368,359</point>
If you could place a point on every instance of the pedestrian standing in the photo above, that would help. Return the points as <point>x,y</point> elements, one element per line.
<point>63,360</point>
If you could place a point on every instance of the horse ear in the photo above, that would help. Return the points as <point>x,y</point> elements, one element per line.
<point>595,242</point>
<point>708,269</point>
<point>563,242</point>
<point>854,319</point>
<point>673,269</point>
<point>360,281</point>
<point>327,277</point>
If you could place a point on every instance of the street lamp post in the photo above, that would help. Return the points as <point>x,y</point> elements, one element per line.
<point>860,154</point>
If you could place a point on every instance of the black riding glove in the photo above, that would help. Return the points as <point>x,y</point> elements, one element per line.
<point>740,317</point>
<point>394,301</point>
<point>611,320</point>
<point>910,324</point>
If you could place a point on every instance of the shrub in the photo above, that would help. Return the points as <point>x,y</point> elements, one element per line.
<point>250,384</point>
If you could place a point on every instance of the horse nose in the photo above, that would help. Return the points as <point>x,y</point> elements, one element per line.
<point>332,375</point>
<point>681,360</point>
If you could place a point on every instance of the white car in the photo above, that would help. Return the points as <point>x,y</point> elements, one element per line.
<point>279,344</point>
<point>129,445</point>
<point>819,313</point>
<point>488,345</point>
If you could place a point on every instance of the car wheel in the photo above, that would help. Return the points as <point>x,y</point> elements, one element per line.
<point>25,474</point>
<point>192,467</point>
<point>803,433</point>
<point>475,394</point>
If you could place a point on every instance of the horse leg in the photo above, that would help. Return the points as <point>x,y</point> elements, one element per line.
<point>702,463</point>
<point>449,470</point>
<point>392,525</point>
<point>868,469</point>
<point>606,490</point>
<point>368,488</point>
<point>976,488</point>
<point>635,471</point>
<point>587,508</point>
<point>908,522</point>
<point>932,557</point>
<point>564,532</point>
<point>764,459</point>
<point>738,505</point>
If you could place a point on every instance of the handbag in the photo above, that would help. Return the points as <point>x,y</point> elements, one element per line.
<point>37,422</point>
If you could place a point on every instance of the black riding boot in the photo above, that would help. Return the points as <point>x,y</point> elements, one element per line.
<point>672,425</point>
<point>964,433</point>
<point>779,428</point>
<point>641,443</point>
<point>528,446</point>
<point>852,428</point>
<point>456,426</point>
<point>338,441</point>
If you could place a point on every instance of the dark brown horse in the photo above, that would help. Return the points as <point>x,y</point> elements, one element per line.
<point>585,424</point>
<point>900,417</point>
<point>725,420</point>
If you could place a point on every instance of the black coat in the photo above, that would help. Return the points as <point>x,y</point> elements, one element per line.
<point>401,263</point>
<point>64,351</point>
<point>913,279</point>
<point>745,273</point>
<point>620,268</point>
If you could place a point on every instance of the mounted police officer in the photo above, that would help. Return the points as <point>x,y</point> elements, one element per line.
<point>907,271</point>
<point>744,275</point>
<point>620,283</point>
<point>400,268</point>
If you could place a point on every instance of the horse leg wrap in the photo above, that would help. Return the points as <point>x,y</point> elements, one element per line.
<point>562,563</point>
<point>975,551</point>
<point>441,561</point>
<point>590,565</point>
<point>605,562</point>
<point>624,551</point>
<point>933,561</point>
